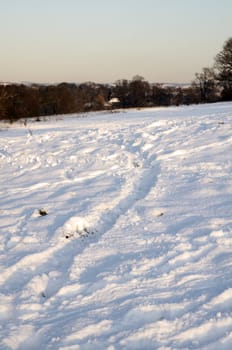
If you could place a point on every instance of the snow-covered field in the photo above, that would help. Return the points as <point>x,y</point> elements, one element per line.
<point>135,251</point>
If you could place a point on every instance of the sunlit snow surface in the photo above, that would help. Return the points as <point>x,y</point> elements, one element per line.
<point>135,251</point>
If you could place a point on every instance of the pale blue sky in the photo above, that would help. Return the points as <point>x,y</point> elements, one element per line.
<point>106,40</point>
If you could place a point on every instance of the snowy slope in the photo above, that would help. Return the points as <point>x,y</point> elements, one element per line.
<point>135,251</point>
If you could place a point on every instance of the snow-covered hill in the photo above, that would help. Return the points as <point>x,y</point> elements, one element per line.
<point>135,251</point>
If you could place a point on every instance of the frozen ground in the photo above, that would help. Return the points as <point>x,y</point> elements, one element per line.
<point>135,251</point>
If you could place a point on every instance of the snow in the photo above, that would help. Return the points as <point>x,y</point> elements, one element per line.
<point>135,251</point>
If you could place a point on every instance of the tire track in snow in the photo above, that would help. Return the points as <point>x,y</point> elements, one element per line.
<point>146,172</point>
<point>144,181</point>
<point>142,187</point>
<point>36,264</point>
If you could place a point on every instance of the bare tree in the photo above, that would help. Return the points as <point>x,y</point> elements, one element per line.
<point>205,82</point>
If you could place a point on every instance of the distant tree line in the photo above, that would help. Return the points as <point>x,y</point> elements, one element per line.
<point>23,101</point>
